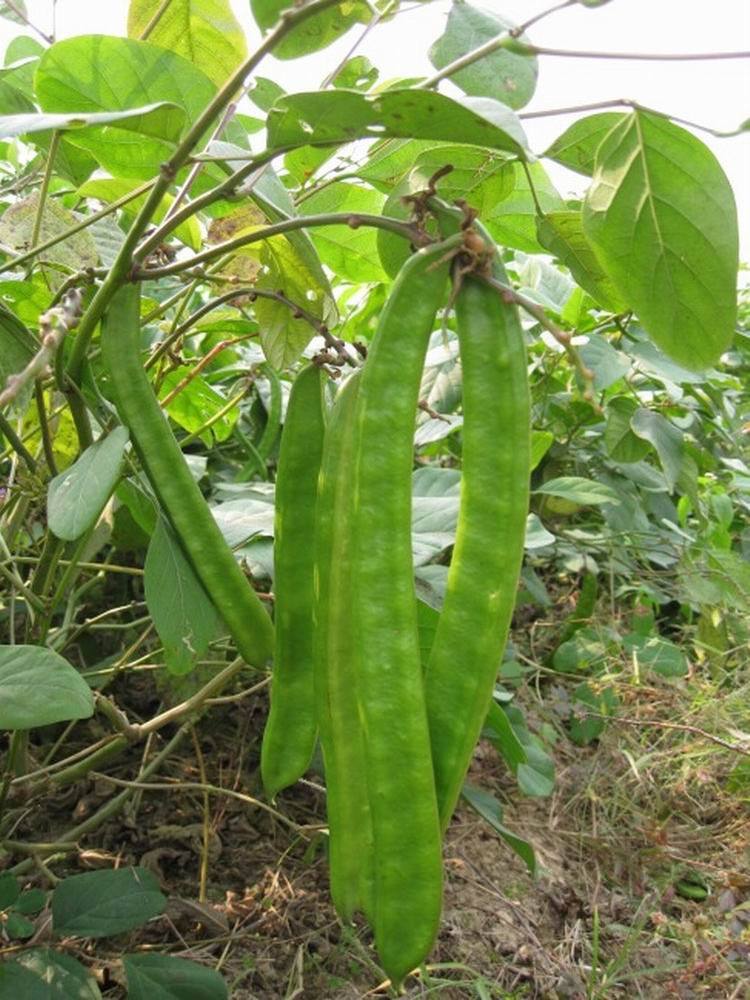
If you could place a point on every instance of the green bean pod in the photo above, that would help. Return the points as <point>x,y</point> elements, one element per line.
<point>170,477</point>
<point>350,847</point>
<point>290,733</point>
<point>486,562</point>
<point>401,785</point>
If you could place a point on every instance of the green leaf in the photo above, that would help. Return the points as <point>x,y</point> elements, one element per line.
<point>76,497</point>
<point>498,730</point>
<point>183,613</point>
<point>109,189</point>
<point>38,687</point>
<point>665,438</point>
<point>332,117</point>
<point>578,490</point>
<point>44,974</point>
<point>205,32</point>
<point>17,12</point>
<point>92,73</point>
<point>585,650</point>
<point>512,222</point>
<point>9,890</point>
<point>492,812</point>
<point>196,403</point>
<point>537,536</point>
<point>602,702</point>
<point>17,226</point>
<point>660,655</point>
<point>264,92</point>
<point>31,901</point>
<point>541,442</point>
<point>503,74</point>
<point>607,364</point>
<point>619,440</point>
<point>562,234</point>
<point>576,147</point>
<point>272,197</point>
<point>661,215</point>
<point>357,73</point>
<point>102,903</point>
<point>316,32</point>
<point>162,977</point>
<point>352,254</point>
<point>18,927</point>
<point>482,176</point>
<point>17,348</point>
<point>160,119</point>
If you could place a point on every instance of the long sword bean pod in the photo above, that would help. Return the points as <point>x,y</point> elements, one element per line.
<point>486,562</point>
<point>289,737</point>
<point>168,473</point>
<point>406,830</point>
<point>350,847</point>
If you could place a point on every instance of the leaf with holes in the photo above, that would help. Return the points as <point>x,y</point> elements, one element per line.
<point>503,74</point>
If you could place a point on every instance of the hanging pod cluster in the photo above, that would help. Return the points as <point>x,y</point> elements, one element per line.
<point>396,735</point>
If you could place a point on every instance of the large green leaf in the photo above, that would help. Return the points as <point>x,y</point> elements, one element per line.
<point>330,117</point>
<point>76,497</point>
<point>661,215</point>
<point>93,73</point>
<point>352,254</point>
<point>109,189</point>
<point>183,613</point>
<point>205,32</point>
<point>102,903</point>
<point>44,974</point>
<point>503,74</point>
<point>38,687</point>
<point>315,32</point>
<point>665,438</point>
<point>562,234</point>
<point>512,222</point>
<point>163,977</point>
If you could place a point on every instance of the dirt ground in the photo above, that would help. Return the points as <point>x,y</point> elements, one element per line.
<point>604,918</point>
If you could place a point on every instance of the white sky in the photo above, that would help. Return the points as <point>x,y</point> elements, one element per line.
<point>715,93</point>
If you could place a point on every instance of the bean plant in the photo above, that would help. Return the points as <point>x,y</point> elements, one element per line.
<point>309,391</point>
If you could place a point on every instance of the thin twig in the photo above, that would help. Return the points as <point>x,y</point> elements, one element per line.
<point>354,220</point>
<point>199,786</point>
<point>503,40</point>
<point>16,444</point>
<point>679,726</point>
<point>561,336</point>
<point>539,50</point>
<point>11,5</point>
<point>626,102</point>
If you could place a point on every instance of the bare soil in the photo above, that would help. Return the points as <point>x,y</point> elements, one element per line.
<point>604,918</point>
